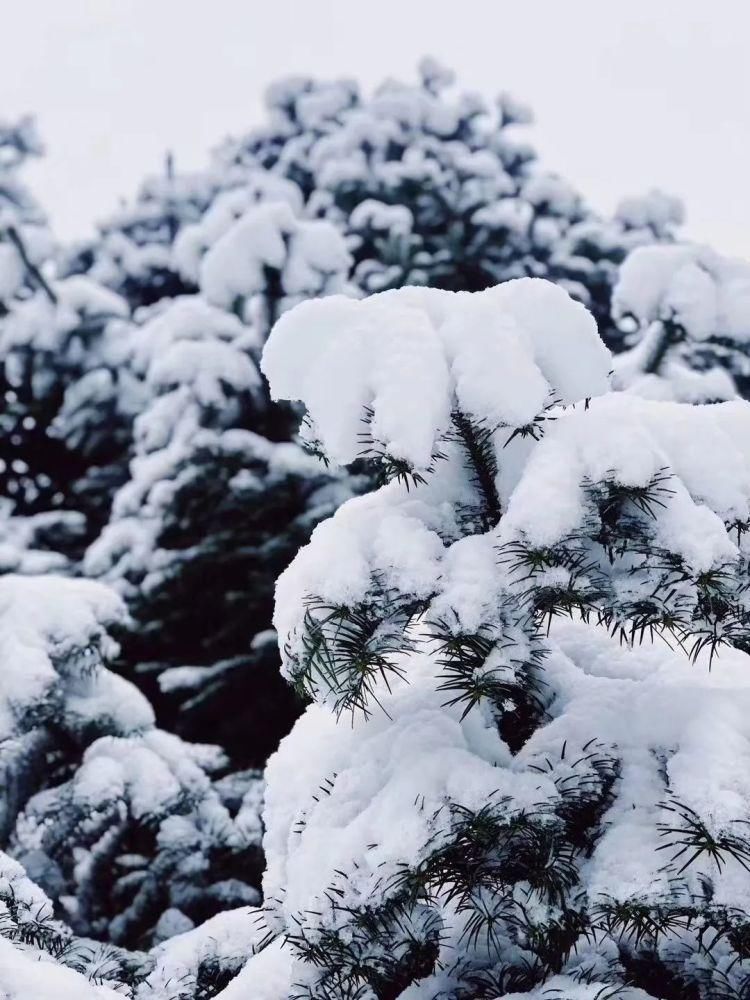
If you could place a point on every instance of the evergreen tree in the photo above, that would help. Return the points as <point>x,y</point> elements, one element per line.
<point>67,402</point>
<point>427,186</point>
<point>438,189</point>
<point>132,253</point>
<point>509,783</point>
<point>220,498</point>
<point>132,833</point>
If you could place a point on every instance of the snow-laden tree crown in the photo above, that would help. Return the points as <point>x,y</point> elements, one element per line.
<point>519,773</point>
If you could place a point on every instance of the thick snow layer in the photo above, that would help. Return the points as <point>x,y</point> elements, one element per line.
<point>656,211</point>
<point>229,939</point>
<point>269,975</point>
<point>692,286</point>
<point>706,450</point>
<point>409,356</point>
<point>187,318</point>
<point>33,974</point>
<point>26,971</point>
<point>209,368</point>
<point>678,730</point>
<point>40,323</point>
<point>193,241</point>
<point>53,639</point>
<point>152,771</point>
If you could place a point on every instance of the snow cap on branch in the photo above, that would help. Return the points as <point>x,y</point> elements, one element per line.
<point>410,355</point>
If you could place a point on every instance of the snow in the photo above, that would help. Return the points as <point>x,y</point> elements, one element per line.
<point>229,938</point>
<point>152,771</point>
<point>207,368</point>
<point>403,354</point>
<point>648,705</point>
<point>310,256</point>
<point>693,286</point>
<point>706,451</point>
<point>44,324</point>
<point>25,974</point>
<point>186,318</point>
<point>380,217</point>
<point>52,641</point>
<point>25,970</point>
<point>655,210</point>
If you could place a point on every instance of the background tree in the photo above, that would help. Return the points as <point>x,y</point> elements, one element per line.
<point>66,402</point>
<point>428,187</point>
<point>132,833</point>
<point>220,497</point>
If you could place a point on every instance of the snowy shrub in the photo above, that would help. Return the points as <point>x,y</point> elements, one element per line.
<point>512,781</point>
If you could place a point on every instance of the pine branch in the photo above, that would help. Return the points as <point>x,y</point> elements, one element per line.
<point>15,238</point>
<point>478,444</point>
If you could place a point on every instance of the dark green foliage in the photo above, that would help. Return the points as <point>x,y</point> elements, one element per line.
<point>233,524</point>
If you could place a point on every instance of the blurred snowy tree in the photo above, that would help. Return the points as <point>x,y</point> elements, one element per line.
<point>67,401</point>
<point>427,186</point>
<point>130,831</point>
<point>220,498</point>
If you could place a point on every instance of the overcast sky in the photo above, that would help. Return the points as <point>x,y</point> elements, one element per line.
<point>627,95</point>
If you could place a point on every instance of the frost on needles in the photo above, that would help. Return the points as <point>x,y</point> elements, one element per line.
<point>524,768</point>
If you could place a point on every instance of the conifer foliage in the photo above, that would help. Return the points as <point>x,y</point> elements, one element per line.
<point>219,496</point>
<point>67,399</point>
<point>433,187</point>
<point>504,786</point>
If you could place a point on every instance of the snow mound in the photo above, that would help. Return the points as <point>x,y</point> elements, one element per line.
<point>408,356</point>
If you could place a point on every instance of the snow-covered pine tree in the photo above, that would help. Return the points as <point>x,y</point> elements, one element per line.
<point>69,401</point>
<point>131,832</point>
<point>513,782</point>
<point>685,311</point>
<point>438,189</point>
<point>220,498</point>
<point>428,187</point>
<point>65,408</point>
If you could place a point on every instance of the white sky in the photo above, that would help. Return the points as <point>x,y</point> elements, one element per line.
<point>627,95</point>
